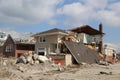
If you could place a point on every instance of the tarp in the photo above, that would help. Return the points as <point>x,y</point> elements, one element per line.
<point>82,53</point>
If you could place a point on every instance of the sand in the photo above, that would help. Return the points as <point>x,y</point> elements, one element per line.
<point>46,71</point>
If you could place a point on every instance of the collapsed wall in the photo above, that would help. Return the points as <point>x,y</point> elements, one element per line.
<point>81,53</point>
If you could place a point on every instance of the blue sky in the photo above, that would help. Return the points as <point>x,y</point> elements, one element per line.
<point>21,16</point>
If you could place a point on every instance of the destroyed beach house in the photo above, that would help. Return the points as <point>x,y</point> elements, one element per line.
<point>77,45</point>
<point>89,36</point>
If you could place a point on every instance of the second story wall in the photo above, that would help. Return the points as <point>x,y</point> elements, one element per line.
<point>48,39</point>
<point>88,39</point>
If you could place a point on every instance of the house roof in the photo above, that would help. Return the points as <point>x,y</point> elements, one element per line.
<point>86,29</point>
<point>52,31</point>
<point>2,42</point>
<point>82,53</point>
<point>24,38</point>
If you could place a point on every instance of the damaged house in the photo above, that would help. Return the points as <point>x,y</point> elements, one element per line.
<point>10,47</point>
<point>89,36</point>
<point>110,54</point>
<point>77,45</point>
<point>48,43</point>
<point>89,44</point>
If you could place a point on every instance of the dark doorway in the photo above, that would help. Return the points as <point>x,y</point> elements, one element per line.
<point>41,53</point>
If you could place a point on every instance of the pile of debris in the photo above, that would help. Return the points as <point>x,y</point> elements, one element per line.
<point>32,59</point>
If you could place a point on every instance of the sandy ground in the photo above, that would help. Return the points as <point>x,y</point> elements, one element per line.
<point>48,72</point>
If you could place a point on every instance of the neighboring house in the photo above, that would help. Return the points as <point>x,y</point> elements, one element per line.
<point>7,48</point>
<point>15,47</point>
<point>110,54</point>
<point>22,47</point>
<point>24,44</point>
<point>48,42</point>
<point>3,37</point>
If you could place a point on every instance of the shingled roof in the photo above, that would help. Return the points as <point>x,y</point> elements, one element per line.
<point>82,53</point>
<point>86,29</point>
<point>52,31</point>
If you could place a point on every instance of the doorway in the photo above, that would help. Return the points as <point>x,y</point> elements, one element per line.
<point>41,51</point>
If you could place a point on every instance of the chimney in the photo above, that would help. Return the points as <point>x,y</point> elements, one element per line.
<point>101,42</point>
<point>100,27</point>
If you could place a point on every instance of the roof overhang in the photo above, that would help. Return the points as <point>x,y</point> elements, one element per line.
<point>87,29</point>
<point>48,34</point>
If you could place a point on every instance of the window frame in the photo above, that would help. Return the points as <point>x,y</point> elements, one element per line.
<point>42,39</point>
<point>9,48</point>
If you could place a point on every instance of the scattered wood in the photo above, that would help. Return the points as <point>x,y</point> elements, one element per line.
<point>21,69</point>
<point>103,63</point>
<point>106,73</point>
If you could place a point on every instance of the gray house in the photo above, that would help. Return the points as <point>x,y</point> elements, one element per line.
<point>48,42</point>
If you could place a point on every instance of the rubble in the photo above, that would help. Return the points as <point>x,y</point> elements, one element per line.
<point>20,68</point>
<point>106,73</point>
<point>103,63</point>
<point>32,59</point>
<point>50,71</point>
<point>21,59</point>
<point>42,58</point>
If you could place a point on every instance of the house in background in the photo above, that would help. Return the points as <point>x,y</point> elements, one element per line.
<point>110,54</point>
<point>23,47</point>
<point>24,44</point>
<point>3,37</point>
<point>15,47</point>
<point>7,48</point>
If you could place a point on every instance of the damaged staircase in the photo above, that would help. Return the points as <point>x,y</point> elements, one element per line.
<point>81,53</point>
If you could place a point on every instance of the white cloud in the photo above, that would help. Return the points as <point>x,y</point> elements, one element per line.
<point>52,22</point>
<point>96,4</point>
<point>27,11</point>
<point>77,13</point>
<point>90,11</point>
<point>110,17</point>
